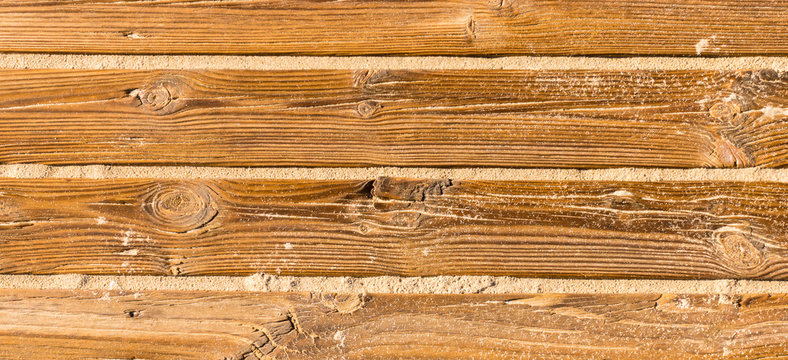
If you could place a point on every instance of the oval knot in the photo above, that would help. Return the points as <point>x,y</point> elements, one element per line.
<point>181,207</point>
<point>157,96</point>
<point>736,247</point>
<point>725,111</point>
<point>367,108</point>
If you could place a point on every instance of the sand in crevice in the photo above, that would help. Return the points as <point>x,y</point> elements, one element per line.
<point>174,62</point>
<point>34,171</point>
<point>388,284</point>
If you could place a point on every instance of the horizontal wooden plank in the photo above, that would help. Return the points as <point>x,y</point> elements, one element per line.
<point>395,118</point>
<point>393,226</point>
<point>55,324</point>
<point>422,27</point>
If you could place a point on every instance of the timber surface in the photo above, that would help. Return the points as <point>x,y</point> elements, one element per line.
<point>423,27</point>
<point>391,226</point>
<point>570,119</point>
<point>71,324</point>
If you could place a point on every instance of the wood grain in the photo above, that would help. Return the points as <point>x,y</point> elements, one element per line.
<point>392,226</point>
<point>422,27</point>
<point>71,324</point>
<point>571,119</point>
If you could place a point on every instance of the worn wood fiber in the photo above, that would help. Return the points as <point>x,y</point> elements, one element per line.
<point>572,119</point>
<point>394,226</point>
<point>422,27</point>
<point>70,324</point>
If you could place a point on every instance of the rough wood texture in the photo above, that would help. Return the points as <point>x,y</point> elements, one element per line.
<point>184,325</point>
<point>395,227</point>
<point>400,118</point>
<point>422,27</point>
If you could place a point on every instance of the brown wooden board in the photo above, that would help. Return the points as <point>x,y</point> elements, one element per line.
<point>571,119</point>
<point>394,227</point>
<point>422,27</point>
<point>56,324</point>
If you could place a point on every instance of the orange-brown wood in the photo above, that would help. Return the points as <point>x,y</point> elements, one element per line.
<point>391,226</point>
<point>71,324</point>
<point>571,119</point>
<point>386,27</point>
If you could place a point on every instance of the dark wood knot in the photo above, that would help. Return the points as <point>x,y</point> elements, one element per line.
<point>367,108</point>
<point>132,313</point>
<point>181,207</point>
<point>768,75</point>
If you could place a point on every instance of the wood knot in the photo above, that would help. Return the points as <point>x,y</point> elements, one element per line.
<point>158,96</point>
<point>675,303</point>
<point>409,189</point>
<point>717,207</point>
<point>368,108</point>
<point>503,8</point>
<point>181,207</point>
<point>362,78</point>
<point>175,270</point>
<point>344,303</point>
<point>623,200</point>
<point>470,29</point>
<point>496,4</point>
<point>408,219</point>
<point>6,207</point>
<point>132,313</point>
<point>735,246</point>
<point>727,154</point>
<point>725,111</point>
<point>768,75</point>
<point>132,35</point>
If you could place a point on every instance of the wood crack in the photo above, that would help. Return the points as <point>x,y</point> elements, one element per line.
<point>270,340</point>
<point>414,190</point>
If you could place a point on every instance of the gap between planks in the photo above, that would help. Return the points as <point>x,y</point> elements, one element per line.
<point>37,171</point>
<point>186,62</point>
<point>388,284</point>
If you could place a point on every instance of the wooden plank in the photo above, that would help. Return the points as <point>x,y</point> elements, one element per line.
<point>422,27</point>
<point>56,324</point>
<point>395,118</point>
<point>394,227</point>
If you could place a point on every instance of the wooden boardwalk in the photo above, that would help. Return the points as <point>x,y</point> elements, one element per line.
<point>64,129</point>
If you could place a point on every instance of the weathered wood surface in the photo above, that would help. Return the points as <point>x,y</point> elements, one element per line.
<point>384,27</point>
<point>56,324</point>
<point>399,118</point>
<point>394,227</point>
